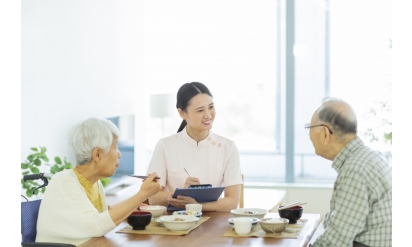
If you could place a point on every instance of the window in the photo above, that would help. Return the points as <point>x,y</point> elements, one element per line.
<point>230,46</point>
<point>237,49</point>
<point>361,58</point>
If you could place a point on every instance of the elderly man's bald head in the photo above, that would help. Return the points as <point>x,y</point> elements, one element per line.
<point>339,115</point>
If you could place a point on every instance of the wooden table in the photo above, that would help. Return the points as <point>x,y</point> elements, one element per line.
<point>209,234</point>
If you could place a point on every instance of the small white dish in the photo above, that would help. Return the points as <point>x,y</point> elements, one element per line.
<point>194,207</point>
<point>188,212</point>
<point>232,222</point>
<point>179,222</point>
<point>243,225</point>
<point>250,212</point>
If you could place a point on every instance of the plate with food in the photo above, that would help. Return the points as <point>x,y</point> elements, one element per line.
<point>179,222</point>
<point>250,212</point>
<point>188,212</point>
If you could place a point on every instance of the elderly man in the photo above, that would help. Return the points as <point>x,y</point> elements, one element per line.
<point>361,204</point>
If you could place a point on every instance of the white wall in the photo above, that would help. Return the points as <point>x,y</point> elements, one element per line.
<point>318,199</point>
<point>83,59</point>
<point>79,59</point>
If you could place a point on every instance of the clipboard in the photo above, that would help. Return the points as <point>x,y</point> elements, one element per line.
<point>210,194</point>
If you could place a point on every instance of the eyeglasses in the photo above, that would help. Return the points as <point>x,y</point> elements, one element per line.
<point>307,128</point>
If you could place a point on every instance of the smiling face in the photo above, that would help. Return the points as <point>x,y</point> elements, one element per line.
<point>109,162</point>
<point>200,113</point>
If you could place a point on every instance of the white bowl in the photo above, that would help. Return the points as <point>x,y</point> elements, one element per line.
<point>254,222</point>
<point>172,223</point>
<point>156,210</point>
<point>249,212</point>
<point>188,212</point>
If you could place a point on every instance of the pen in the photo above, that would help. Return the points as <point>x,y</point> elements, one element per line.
<point>187,172</point>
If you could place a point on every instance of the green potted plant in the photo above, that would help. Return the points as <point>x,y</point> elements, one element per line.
<point>380,130</point>
<point>35,160</point>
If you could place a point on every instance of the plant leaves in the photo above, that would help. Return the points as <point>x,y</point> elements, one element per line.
<point>53,170</point>
<point>32,182</point>
<point>26,186</point>
<point>37,162</point>
<point>30,157</point>
<point>58,160</point>
<point>29,193</point>
<point>35,170</point>
<point>105,181</point>
<point>68,166</point>
<point>44,157</point>
<point>36,159</point>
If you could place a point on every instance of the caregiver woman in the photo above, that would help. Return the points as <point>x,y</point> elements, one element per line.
<point>208,158</point>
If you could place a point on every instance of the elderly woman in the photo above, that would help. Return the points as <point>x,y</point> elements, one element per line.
<point>74,208</point>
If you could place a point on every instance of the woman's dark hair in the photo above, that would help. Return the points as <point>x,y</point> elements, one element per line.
<point>186,92</point>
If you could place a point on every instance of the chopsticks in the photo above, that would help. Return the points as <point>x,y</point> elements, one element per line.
<point>292,205</point>
<point>142,177</point>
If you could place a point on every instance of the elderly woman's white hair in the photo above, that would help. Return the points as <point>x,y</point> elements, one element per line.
<point>90,134</point>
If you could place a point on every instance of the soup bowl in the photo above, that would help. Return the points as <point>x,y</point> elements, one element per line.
<point>139,220</point>
<point>292,214</point>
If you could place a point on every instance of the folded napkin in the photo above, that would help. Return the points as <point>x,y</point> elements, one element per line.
<point>154,228</point>
<point>291,231</point>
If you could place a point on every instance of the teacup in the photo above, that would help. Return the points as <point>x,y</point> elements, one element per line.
<point>194,207</point>
<point>242,225</point>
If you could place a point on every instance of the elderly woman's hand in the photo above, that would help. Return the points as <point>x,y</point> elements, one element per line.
<point>150,185</point>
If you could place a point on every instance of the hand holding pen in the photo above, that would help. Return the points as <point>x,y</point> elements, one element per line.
<point>190,180</point>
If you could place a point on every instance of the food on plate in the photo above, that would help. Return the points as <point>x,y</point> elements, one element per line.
<point>179,219</point>
<point>189,213</point>
<point>249,212</point>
